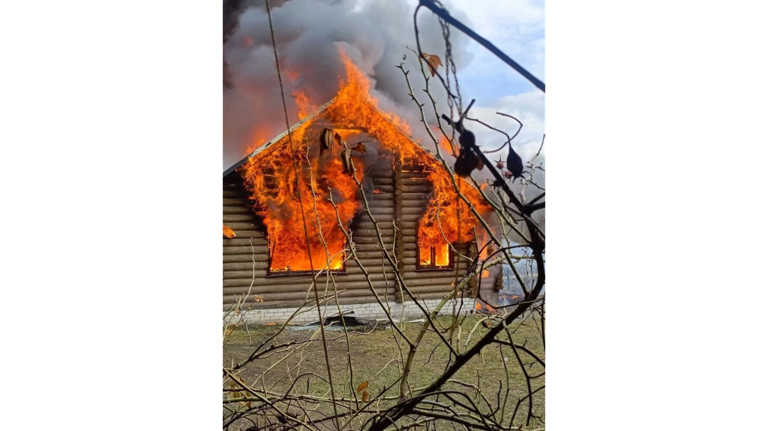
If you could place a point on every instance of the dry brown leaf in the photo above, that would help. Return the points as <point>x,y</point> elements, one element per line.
<point>436,59</point>
<point>362,386</point>
<point>433,61</point>
<point>228,232</point>
<point>365,396</point>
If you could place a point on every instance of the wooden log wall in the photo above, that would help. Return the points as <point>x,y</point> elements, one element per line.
<point>402,192</point>
<point>246,257</point>
<point>364,234</point>
<point>416,191</point>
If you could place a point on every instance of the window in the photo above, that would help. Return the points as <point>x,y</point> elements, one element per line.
<point>435,257</point>
<point>293,260</point>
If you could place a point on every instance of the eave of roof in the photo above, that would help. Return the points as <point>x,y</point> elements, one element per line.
<point>277,138</point>
<point>297,125</point>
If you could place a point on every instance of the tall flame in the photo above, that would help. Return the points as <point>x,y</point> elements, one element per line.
<point>271,180</point>
<point>448,219</point>
<point>354,105</point>
<point>279,201</point>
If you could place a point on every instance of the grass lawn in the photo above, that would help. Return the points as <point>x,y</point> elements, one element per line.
<point>376,359</point>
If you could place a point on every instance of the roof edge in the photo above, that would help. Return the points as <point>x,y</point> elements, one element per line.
<point>308,118</point>
<point>277,138</point>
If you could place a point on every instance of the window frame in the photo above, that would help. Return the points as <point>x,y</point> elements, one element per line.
<point>271,273</point>
<point>432,250</point>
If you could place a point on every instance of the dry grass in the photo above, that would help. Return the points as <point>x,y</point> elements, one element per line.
<point>375,356</point>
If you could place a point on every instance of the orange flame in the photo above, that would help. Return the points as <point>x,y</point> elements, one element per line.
<point>354,104</point>
<point>260,137</point>
<point>279,201</point>
<point>271,181</point>
<point>482,239</point>
<point>442,256</point>
<point>355,107</point>
<point>447,217</point>
<point>227,231</point>
<point>304,105</point>
<point>485,308</point>
<point>445,145</point>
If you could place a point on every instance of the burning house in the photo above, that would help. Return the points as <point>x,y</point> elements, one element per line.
<point>350,182</point>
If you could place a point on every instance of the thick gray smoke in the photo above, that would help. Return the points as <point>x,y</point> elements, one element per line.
<point>374,34</point>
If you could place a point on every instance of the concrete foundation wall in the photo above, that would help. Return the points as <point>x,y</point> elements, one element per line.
<point>373,310</point>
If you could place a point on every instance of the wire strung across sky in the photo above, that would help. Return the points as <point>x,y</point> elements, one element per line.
<point>442,13</point>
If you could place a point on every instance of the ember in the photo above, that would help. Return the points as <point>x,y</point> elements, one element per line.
<point>484,308</point>
<point>228,232</point>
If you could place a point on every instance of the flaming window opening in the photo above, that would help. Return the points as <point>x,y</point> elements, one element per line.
<point>435,257</point>
<point>337,262</point>
<point>279,200</point>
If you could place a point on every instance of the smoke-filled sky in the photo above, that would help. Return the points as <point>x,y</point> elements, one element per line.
<point>376,35</point>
